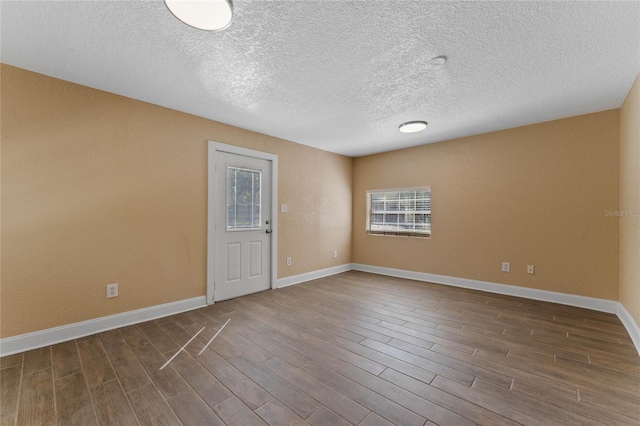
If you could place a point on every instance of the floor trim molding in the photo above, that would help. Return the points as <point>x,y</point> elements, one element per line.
<point>51,336</point>
<point>595,304</point>
<point>630,324</point>
<point>313,275</point>
<point>38,339</point>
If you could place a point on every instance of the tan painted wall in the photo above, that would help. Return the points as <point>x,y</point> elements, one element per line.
<point>530,195</point>
<point>630,202</point>
<point>98,188</point>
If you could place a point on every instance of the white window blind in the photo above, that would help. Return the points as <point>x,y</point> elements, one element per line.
<point>405,212</point>
<point>243,199</point>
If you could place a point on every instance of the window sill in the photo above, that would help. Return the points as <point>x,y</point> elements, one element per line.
<point>398,234</point>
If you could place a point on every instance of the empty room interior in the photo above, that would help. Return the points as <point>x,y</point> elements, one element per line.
<point>320,212</point>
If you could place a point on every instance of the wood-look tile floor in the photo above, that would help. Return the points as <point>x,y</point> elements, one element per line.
<point>353,348</point>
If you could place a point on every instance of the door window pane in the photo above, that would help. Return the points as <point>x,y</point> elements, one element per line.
<point>243,199</point>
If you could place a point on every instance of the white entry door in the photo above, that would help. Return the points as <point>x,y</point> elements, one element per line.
<point>243,225</point>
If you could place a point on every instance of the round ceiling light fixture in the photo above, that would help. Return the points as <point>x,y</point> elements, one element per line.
<point>208,15</point>
<point>438,60</point>
<point>412,126</point>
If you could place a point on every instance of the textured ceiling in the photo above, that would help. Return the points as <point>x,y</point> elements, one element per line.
<point>342,75</point>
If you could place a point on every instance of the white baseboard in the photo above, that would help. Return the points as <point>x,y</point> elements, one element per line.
<point>602,305</point>
<point>25,342</point>
<point>595,304</point>
<point>313,275</point>
<point>630,324</point>
<point>51,336</point>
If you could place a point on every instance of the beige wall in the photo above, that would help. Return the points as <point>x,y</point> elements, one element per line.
<point>98,189</point>
<point>630,202</point>
<point>530,195</point>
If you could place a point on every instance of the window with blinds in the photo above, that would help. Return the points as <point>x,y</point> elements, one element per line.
<point>401,212</point>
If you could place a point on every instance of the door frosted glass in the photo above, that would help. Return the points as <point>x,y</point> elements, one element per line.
<point>243,199</point>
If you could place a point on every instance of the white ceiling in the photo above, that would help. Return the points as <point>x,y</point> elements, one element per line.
<point>342,75</point>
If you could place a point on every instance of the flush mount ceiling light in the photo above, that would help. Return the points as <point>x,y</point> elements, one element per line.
<point>438,60</point>
<point>412,126</point>
<point>208,15</point>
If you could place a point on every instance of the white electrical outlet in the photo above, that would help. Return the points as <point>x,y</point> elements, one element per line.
<point>112,290</point>
<point>288,261</point>
<point>506,266</point>
<point>530,269</point>
<point>335,254</point>
<point>283,208</point>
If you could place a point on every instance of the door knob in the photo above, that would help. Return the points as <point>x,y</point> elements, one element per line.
<point>268,231</point>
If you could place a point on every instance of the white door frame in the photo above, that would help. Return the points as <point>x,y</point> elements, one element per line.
<point>214,149</point>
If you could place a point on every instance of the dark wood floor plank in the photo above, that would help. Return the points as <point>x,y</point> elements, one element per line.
<point>336,320</point>
<point>11,360</point>
<point>602,400</point>
<point>247,390</point>
<point>314,324</point>
<point>36,405</point>
<point>66,360</point>
<point>9,393</point>
<point>368,398</point>
<point>389,361</point>
<point>160,339</point>
<point>276,414</point>
<point>505,408</point>
<point>127,367</point>
<point>506,370</point>
<point>203,382</point>
<point>73,401</point>
<point>424,363</point>
<point>464,408</point>
<point>251,349</point>
<point>168,381</point>
<point>95,363</point>
<point>340,404</point>
<point>37,359</point>
<point>307,350</point>
<point>579,375</point>
<point>183,319</point>
<point>324,417</point>
<point>591,411</point>
<point>615,365</point>
<point>534,406</point>
<point>181,335</point>
<point>111,404</point>
<point>624,352</point>
<point>182,398</point>
<point>289,395</point>
<point>409,400</point>
<point>345,355</point>
<point>281,351</point>
<point>233,412</point>
<point>344,309</point>
<point>375,420</point>
<point>191,410</point>
<point>432,335</point>
<point>619,384</point>
<point>325,321</point>
<point>259,313</point>
<point>151,408</point>
<point>371,331</point>
<point>472,370</point>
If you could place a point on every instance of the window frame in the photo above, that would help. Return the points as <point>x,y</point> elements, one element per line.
<point>396,232</point>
